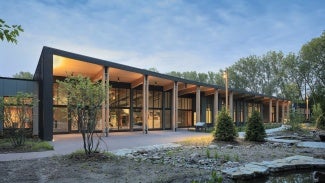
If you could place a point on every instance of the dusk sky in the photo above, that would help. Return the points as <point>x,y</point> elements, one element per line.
<point>169,35</point>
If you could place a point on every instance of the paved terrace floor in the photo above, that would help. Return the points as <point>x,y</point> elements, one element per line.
<point>68,143</point>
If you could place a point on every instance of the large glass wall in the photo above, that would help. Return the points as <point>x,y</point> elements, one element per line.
<point>119,104</point>
<point>155,109</point>
<point>168,106</point>
<point>137,102</point>
<point>65,120</point>
<point>185,112</point>
<point>17,114</point>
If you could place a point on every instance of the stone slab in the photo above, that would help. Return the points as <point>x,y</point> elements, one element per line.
<point>256,169</point>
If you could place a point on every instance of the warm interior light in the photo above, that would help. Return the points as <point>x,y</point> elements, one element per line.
<point>57,61</point>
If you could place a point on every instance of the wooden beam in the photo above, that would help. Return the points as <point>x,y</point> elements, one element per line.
<point>169,86</point>
<point>187,91</point>
<point>98,76</point>
<point>137,82</point>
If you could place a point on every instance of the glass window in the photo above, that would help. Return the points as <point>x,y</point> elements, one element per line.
<point>119,119</point>
<point>59,95</point>
<point>60,119</point>
<point>137,98</point>
<point>167,119</point>
<point>154,120</point>
<point>168,100</point>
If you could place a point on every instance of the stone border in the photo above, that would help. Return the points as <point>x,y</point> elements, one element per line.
<point>256,169</point>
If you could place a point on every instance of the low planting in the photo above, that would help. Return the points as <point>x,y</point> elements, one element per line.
<point>30,145</point>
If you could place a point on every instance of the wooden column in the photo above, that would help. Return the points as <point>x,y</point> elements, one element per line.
<point>216,106</point>
<point>145,102</point>
<point>198,104</point>
<point>270,110</point>
<point>231,105</point>
<point>174,106</point>
<point>277,111</point>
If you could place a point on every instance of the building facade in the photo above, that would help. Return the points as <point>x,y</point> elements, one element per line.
<point>138,99</point>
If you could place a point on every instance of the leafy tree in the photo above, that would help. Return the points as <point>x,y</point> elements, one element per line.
<point>17,116</point>
<point>175,73</point>
<point>85,100</point>
<point>10,33</point>
<point>318,116</point>
<point>23,75</point>
<point>292,80</point>
<point>153,69</point>
<point>224,129</point>
<point>249,72</point>
<point>202,77</point>
<point>255,129</point>
<point>312,68</point>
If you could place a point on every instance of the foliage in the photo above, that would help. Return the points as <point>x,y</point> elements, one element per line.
<point>225,129</point>
<point>85,100</point>
<point>23,75</point>
<point>318,117</point>
<point>10,33</point>
<point>17,116</point>
<point>31,145</point>
<point>295,121</point>
<point>312,68</point>
<point>41,145</point>
<point>255,129</point>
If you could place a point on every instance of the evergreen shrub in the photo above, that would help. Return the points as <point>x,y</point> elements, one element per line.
<point>224,129</point>
<point>255,129</point>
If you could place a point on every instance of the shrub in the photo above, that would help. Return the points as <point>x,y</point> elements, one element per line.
<point>255,129</point>
<point>225,128</point>
<point>320,122</point>
<point>295,121</point>
<point>318,117</point>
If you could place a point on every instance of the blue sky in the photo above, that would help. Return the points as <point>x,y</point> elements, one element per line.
<point>170,35</point>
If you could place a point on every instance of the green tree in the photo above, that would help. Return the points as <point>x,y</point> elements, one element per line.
<point>175,73</point>
<point>255,129</point>
<point>312,68</point>
<point>17,116</point>
<point>10,33</point>
<point>153,69</point>
<point>318,117</point>
<point>23,75</point>
<point>224,129</point>
<point>85,100</point>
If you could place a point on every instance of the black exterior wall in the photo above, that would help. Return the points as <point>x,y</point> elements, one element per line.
<point>44,75</point>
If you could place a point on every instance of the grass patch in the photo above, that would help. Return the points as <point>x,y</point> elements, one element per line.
<point>80,155</point>
<point>272,125</point>
<point>197,141</point>
<point>31,145</point>
<point>41,146</point>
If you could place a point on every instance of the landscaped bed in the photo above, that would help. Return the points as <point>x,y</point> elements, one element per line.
<point>197,159</point>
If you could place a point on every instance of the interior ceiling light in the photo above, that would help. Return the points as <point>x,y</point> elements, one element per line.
<point>57,61</point>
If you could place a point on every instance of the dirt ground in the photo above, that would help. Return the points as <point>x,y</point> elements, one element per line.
<point>187,163</point>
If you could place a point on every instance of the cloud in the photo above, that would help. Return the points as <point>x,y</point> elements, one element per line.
<point>169,34</point>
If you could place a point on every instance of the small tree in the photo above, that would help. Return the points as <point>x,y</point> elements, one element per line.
<point>224,129</point>
<point>85,101</point>
<point>255,129</point>
<point>17,116</point>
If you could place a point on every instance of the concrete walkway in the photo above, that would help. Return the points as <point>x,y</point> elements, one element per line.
<point>115,142</point>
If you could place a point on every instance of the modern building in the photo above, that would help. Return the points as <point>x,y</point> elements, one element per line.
<point>137,98</point>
